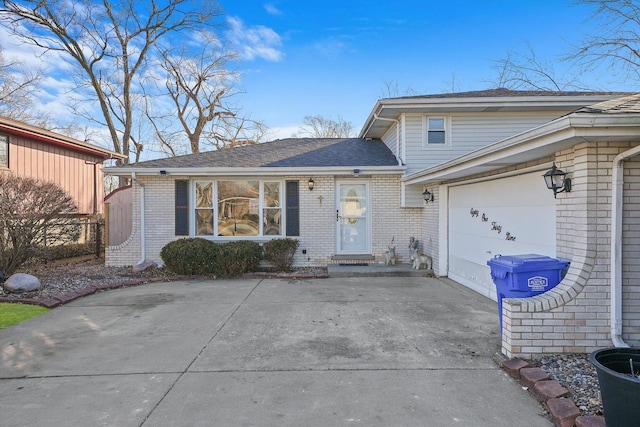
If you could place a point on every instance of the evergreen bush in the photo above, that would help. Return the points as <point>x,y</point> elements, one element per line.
<point>191,256</point>
<point>280,253</point>
<point>202,257</point>
<point>238,258</point>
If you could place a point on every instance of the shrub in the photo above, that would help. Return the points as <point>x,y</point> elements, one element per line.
<point>53,253</point>
<point>33,215</point>
<point>198,256</point>
<point>238,258</point>
<point>280,253</point>
<point>193,256</point>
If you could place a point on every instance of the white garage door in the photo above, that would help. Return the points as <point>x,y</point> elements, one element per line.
<point>509,216</point>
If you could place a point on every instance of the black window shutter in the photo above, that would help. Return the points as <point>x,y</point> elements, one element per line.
<point>293,208</point>
<point>182,208</point>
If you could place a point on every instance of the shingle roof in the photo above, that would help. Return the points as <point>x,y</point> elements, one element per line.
<point>292,152</point>
<point>627,104</point>
<point>503,92</point>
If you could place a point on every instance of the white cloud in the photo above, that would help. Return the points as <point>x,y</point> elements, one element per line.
<point>333,47</point>
<point>255,42</point>
<point>283,132</point>
<point>272,10</point>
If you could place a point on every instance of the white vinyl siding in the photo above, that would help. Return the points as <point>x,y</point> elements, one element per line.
<point>467,132</point>
<point>390,138</point>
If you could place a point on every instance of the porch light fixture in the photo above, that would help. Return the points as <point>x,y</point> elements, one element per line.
<point>310,183</point>
<point>428,196</point>
<point>557,180</point>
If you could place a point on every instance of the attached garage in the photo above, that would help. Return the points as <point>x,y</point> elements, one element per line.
<point>507,216</point>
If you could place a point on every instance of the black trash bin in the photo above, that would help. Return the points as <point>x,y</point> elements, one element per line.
<point>618,370</point>
<point>521,276</point>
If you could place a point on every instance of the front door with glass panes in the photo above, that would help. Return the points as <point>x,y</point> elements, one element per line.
<point>352,218</point>
<point>238,208</point>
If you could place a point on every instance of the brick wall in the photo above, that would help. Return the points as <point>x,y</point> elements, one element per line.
<point>575,316</point>
<point>317,220</point>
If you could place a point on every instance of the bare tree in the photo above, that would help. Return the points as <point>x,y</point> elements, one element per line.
<point>391,90</point>
<point>33,214</point>
<point>612,49</point>
<point>323,127</point>
<point>108,43</point>
<point>201,87</point>
<point>237,131</point>
<point>18,90</point>
<point>615,46</point>
<point>526,71</point>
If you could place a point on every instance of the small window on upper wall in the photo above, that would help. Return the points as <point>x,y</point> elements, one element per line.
<point>436,131</point>
<point>4,151</point>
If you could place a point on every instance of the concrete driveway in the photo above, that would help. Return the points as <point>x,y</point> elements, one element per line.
<point>363,351</point>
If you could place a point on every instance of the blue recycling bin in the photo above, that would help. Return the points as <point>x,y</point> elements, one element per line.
<point>521,276</point>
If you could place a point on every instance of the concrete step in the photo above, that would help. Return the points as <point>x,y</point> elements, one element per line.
<point>375,270</point>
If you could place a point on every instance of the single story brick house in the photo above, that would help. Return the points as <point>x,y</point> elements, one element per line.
<point>462,173</point>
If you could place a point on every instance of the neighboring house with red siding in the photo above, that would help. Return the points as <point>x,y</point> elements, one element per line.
<point>76,166</point>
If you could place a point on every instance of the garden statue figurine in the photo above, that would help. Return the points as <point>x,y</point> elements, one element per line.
<point>390,256</point>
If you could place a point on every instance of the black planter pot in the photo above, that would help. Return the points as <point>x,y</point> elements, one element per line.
<point>620,391</point>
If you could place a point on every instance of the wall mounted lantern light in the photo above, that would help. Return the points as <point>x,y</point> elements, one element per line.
<point>557,180</point>
<point>310,183</point>
<point>428,196</point>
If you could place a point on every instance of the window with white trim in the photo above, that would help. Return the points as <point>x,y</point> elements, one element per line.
<point>4,151</point>
<point>238,207</point>
<point>436,131</point>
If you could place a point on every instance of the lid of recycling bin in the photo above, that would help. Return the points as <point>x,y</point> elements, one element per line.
<point>526,262</point>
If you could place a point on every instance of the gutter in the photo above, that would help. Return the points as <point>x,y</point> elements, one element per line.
<point>617,203</point>
<point>377,117</point>
<point>143,243</point>
<point>62,141</point>
<point>127,170</point>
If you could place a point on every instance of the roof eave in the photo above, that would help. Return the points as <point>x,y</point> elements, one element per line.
<point>256,171</point>
<point>42,135</point>
<point>392,108</point>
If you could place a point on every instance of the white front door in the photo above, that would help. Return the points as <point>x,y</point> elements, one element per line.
<point>352,218</point>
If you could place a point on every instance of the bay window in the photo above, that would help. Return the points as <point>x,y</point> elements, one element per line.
<point>238,207</point>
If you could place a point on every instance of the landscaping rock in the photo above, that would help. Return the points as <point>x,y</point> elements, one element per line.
<point>21,282</point>
<point>143,266</point>
<point>590,421</point>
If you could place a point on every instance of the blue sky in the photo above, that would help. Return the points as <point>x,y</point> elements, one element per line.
<point>333,57</point>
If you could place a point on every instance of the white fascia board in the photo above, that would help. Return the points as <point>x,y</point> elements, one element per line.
<point>369,170</point>
<point>571,129</point>
<point>448,104</point>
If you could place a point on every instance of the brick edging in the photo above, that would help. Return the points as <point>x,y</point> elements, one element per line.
<point>551,393</point>
<point>89,290</point>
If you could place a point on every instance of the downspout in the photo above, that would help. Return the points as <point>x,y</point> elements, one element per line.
<point>377,117</point>
<point>143,243</point>
<point>617,182</point>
